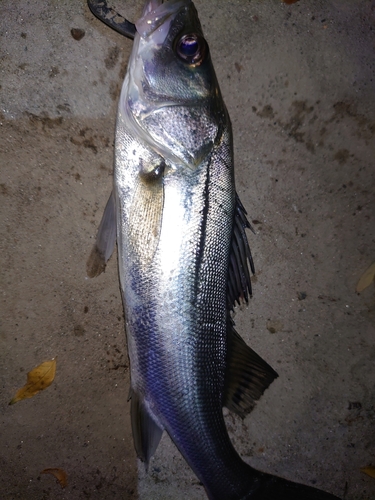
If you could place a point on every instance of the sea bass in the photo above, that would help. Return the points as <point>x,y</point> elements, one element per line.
<point>183,257</point>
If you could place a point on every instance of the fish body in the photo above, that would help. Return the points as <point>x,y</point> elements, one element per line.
<point>184,257</point>
<point>176,201</point>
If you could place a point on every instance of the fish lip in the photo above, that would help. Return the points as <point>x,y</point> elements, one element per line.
<point>156,13</point>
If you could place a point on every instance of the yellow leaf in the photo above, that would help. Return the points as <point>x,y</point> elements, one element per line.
<point>366,279</point>
<point>370,471</point>
<point>59,474</point>
<point>38,379</point>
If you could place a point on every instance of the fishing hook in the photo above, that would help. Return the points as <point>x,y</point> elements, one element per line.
<point>111,18</point>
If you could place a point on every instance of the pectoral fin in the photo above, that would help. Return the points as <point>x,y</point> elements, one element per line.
<point>146,433</point>
<point>247,375</point>
<point>146,210</point>
<point>105,241</point>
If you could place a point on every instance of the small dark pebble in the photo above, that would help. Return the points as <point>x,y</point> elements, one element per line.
<point>354,405</point>
<point>301,295</point>
<point>77,33</point>
<point>79,331</point>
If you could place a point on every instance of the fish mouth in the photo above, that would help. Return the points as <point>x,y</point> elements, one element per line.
<point>157,16</point>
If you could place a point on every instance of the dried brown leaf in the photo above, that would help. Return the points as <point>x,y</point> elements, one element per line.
<point>366,279</point>
<point>59,474</point>
<point>37,380</point>
<point>370,471</point>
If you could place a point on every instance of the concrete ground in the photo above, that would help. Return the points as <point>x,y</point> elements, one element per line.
<point>299,82</point>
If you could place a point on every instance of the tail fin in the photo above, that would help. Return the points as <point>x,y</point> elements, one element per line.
<point>268,487</point>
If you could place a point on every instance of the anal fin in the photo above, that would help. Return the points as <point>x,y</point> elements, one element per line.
<point>105,241</point>
<point>247,375</point>
<point>146,432</point>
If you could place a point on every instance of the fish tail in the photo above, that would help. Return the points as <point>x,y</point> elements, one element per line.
<point>269,487</point>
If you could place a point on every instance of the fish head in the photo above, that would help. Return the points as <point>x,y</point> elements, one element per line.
<point>171,98</point>
<point>172,57</point>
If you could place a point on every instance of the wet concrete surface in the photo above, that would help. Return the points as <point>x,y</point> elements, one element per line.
<point>299,83</point>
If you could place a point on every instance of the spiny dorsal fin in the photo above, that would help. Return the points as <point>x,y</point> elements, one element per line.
<point>247,375</point>
<point>239,283</point>
<point>105,241</point>
<point>146,433</point>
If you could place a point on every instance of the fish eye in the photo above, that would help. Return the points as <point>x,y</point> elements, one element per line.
<point>191,48</point>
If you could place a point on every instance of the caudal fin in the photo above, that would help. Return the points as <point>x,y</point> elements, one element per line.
<point>268,487</point>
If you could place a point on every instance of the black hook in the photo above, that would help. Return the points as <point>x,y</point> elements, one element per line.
<point>111,18</point>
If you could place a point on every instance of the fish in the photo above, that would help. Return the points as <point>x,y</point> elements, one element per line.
<point>184,258</point>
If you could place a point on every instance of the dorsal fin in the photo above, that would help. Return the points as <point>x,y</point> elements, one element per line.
<point>239,282</point>
<point>247,374</point>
